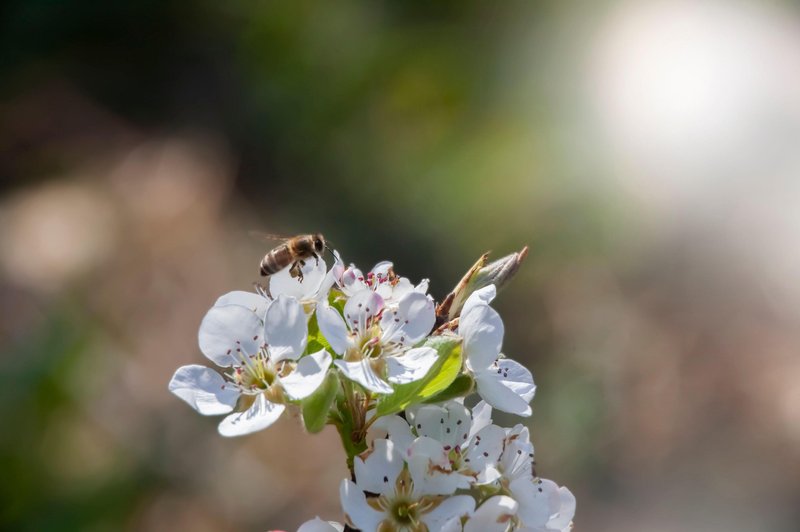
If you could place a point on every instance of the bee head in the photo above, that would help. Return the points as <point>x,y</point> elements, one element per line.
<point>319,243</point>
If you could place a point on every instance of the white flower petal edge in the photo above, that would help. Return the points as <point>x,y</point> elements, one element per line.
<point>308,375</point>
<point>482,330</point>
<point>453,507</point>
<point>538,499</point>
<point>333,328</point>
<point>396,429</point>
<point>507,386</point>
<point>203,389</point>
<point>255,302</point>
<point>318,525</point>
<point>356,510</point>
<point>411,365</point>
<point>493,515</point>
<point>228,330</point>
<point>285,329</point>
<point>483,296</point>
<point>362,373</point>
<point>566,511</point>
<point>260,415</point>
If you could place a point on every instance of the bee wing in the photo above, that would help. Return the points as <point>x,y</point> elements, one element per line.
<point>268,237</point>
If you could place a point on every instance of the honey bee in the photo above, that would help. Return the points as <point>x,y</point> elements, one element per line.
<point>293,253</point>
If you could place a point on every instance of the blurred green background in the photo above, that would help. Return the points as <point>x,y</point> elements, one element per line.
<point>648,152</point>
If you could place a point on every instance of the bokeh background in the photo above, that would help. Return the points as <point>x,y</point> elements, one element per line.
<point>648,152</point>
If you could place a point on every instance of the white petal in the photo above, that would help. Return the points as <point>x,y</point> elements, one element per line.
<point>308,375</point>
<point>410,366</point>
<point>422,287</point>
<point>481,417</point>
<point>352,281</point>
<point>382,268</point>
<point>538,500</point>
<point>452,525</point>
<point>318,525</point>
<point>517,377</point>
<point>282,283</point>
<point>333,327</point>
<point>255,302</point>
<point>517,459</point>
<point>486,447</point>
<point>397,430</point>
<point>508,386</point>
<point>327,283</point>
<point>519,432</point>
<point>450,508</point>
<point>430,469</point>
<point>285,329</point>
<point>401,289</point>
<point>386,291</point>
<point>356,510</point>
<point>361,308</point>
<point>493,515</point>
<point>483,296</point>
<point>203,389</point>
<point>482,330</point>
<point>378,472</point>
<point>260,415</point>
<point>566,511</point>
<point>449,423</point>
<point>411,322</point>
<point>229,332</point>
<point>362,373</point>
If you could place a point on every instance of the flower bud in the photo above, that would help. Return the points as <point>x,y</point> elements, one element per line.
<point>478,276</point>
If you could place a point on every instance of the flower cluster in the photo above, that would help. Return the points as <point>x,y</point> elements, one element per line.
<point>373,355</point>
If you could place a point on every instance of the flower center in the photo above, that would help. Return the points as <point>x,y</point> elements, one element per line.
<point>404,513</point>
<point>257,373</point>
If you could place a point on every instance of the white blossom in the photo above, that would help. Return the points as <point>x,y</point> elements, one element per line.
<point>382,280</point>
<point>261,345</point>
<point>503,383</point>
<point>448,447</point>
<point>376,342</point>
<point>401,504</point>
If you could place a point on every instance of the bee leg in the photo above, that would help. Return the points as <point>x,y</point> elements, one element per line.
<point>295,270</point>
<point>316,258</point>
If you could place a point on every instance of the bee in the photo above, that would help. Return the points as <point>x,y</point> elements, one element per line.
<point>293,253</point>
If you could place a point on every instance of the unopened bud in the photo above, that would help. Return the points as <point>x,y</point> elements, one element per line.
<point>478,276</point>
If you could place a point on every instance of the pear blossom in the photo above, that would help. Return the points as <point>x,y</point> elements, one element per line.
<point>399,502</point>
<point>541,504</point>
<point>503,383</point>
<point>448,447</point>
<point>376,342</point>
<point>380,279</point>
<point>261,346</point>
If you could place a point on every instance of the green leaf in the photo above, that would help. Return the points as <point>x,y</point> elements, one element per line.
<point>316,341</point>
<point>460,387</point>
<point>316,406</point>
<point>438,379</point>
